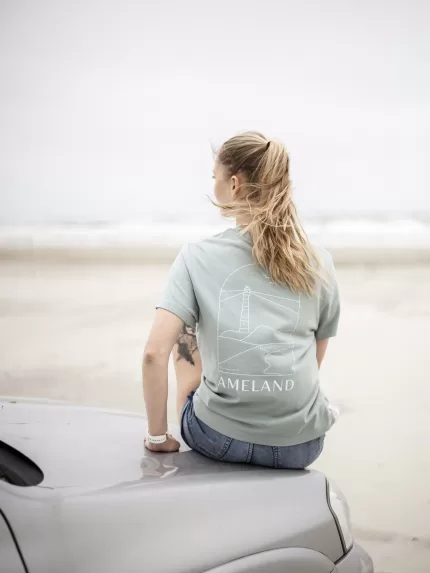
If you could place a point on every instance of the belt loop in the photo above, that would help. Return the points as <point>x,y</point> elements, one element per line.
<point>250,452</point>
<point>275,450</point>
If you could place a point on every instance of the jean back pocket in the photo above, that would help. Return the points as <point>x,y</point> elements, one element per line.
<point>204,439</point>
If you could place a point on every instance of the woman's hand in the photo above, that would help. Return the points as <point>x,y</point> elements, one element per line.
<point>170,445</point>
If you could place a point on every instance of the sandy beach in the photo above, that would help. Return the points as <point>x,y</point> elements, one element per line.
<point>76,332</point>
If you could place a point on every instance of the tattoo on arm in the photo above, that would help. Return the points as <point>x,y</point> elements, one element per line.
<point>187,344</point>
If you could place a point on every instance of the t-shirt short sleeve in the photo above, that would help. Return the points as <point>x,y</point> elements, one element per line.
<point>330,305</point>
<point>179,297</point>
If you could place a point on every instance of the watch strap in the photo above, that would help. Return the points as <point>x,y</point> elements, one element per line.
<point>157,439</point>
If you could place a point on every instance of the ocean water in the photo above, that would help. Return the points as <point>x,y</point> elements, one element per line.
<point>400,233</point>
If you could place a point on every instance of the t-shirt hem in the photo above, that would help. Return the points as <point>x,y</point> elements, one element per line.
<point>180,312</point>
<point>324,334</point>
<point>233,429</point>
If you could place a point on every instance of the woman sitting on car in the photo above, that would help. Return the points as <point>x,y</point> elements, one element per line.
<point>248,314</point>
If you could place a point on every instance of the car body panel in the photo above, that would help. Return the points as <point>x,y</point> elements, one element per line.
<point>10,559</point>
<point>356,561</point>
<point>279,561</point>
<point>108,504</point>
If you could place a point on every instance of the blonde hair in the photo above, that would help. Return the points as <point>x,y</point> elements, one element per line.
<point>264,203</point>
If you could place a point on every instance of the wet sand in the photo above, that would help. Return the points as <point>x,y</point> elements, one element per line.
<point>76,332</point>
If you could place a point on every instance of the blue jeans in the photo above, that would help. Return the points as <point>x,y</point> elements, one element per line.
<point>203,439</point>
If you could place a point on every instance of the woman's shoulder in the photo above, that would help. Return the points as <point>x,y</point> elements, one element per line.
<point>326,270</point>
<point>227,237</point>
<point>324,257</point>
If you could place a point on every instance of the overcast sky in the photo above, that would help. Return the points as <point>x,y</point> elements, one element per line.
<point>108,108</point>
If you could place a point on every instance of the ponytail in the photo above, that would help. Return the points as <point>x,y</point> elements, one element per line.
<point>264,203</point>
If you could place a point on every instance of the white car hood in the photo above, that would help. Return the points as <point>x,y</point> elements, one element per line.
<point>105,501</point>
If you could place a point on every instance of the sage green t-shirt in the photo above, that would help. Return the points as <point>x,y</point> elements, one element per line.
<point>257,341</point>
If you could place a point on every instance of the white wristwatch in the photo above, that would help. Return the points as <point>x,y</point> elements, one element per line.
<point>157,439</point>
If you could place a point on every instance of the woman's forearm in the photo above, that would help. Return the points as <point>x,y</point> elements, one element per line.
<point>155,390</point>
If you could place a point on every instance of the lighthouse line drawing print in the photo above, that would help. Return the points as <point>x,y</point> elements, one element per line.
<point>256,320</point>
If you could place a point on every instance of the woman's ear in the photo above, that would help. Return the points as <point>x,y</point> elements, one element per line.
<point>234,184</point>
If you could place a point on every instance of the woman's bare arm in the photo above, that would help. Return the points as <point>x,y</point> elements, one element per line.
<point>321,350</point>
<point>188,365</point>
<point>164,334</point>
